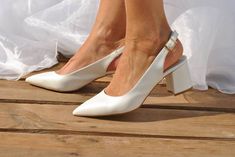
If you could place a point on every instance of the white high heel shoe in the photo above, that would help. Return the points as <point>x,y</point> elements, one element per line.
<point>77,79</point>
<point>178,80</point>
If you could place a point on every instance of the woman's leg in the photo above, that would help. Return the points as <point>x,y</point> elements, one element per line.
<point>146,33</point>
<point>109,28</point>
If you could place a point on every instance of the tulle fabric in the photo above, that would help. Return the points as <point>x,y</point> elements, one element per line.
<point>32,30</point>
<point>20,53</point>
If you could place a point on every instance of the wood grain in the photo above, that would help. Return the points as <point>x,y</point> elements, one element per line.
<point>15,144</point>
<point>22,92</point>
<point>143,122</point>
<point>36,122</point>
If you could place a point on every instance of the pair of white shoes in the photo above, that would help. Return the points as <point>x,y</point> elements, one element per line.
<point>177,78</point>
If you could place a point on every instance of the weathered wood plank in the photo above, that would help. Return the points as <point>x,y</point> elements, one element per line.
<point>38,145</point>
<point>36,122</point>
<point>146,122</point>
<point>21,91</point>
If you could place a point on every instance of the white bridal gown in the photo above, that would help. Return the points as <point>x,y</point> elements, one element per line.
<point>31,32</point>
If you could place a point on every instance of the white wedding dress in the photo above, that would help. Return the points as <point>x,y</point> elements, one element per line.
<point>32,31</point>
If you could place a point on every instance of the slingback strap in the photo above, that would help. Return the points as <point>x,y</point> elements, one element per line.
<point>172,41</point>
<point>108,59</point>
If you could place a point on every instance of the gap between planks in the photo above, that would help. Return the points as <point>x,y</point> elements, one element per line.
<point>110,134</point>
<point>151,106</point>
<point>155,122</point>
<point>191,100</point>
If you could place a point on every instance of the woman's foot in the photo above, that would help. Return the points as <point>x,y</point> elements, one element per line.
<point>108,30</point>
<point>95,47</point>
<point>137,57</point>
<point>122,102</point>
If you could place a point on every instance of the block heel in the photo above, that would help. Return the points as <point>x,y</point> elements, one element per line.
<point>179,80</point>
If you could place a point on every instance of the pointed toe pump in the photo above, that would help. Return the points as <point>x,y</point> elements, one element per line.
<point>77,79</point>
<point>178,80</point>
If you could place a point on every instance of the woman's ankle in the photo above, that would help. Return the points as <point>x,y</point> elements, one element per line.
<point>150,42</point>
<point>108,33</point>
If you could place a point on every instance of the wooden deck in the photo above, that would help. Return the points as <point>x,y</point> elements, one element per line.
<point>39,123</point>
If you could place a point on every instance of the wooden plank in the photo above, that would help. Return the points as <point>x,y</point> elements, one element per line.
<point>159,97</point>
<point>18,91</point>
<point>38,145</point>
<point>141,122</point>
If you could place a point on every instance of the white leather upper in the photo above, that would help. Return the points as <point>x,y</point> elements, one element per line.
<point>103,104</point>
<point>77,79</point>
